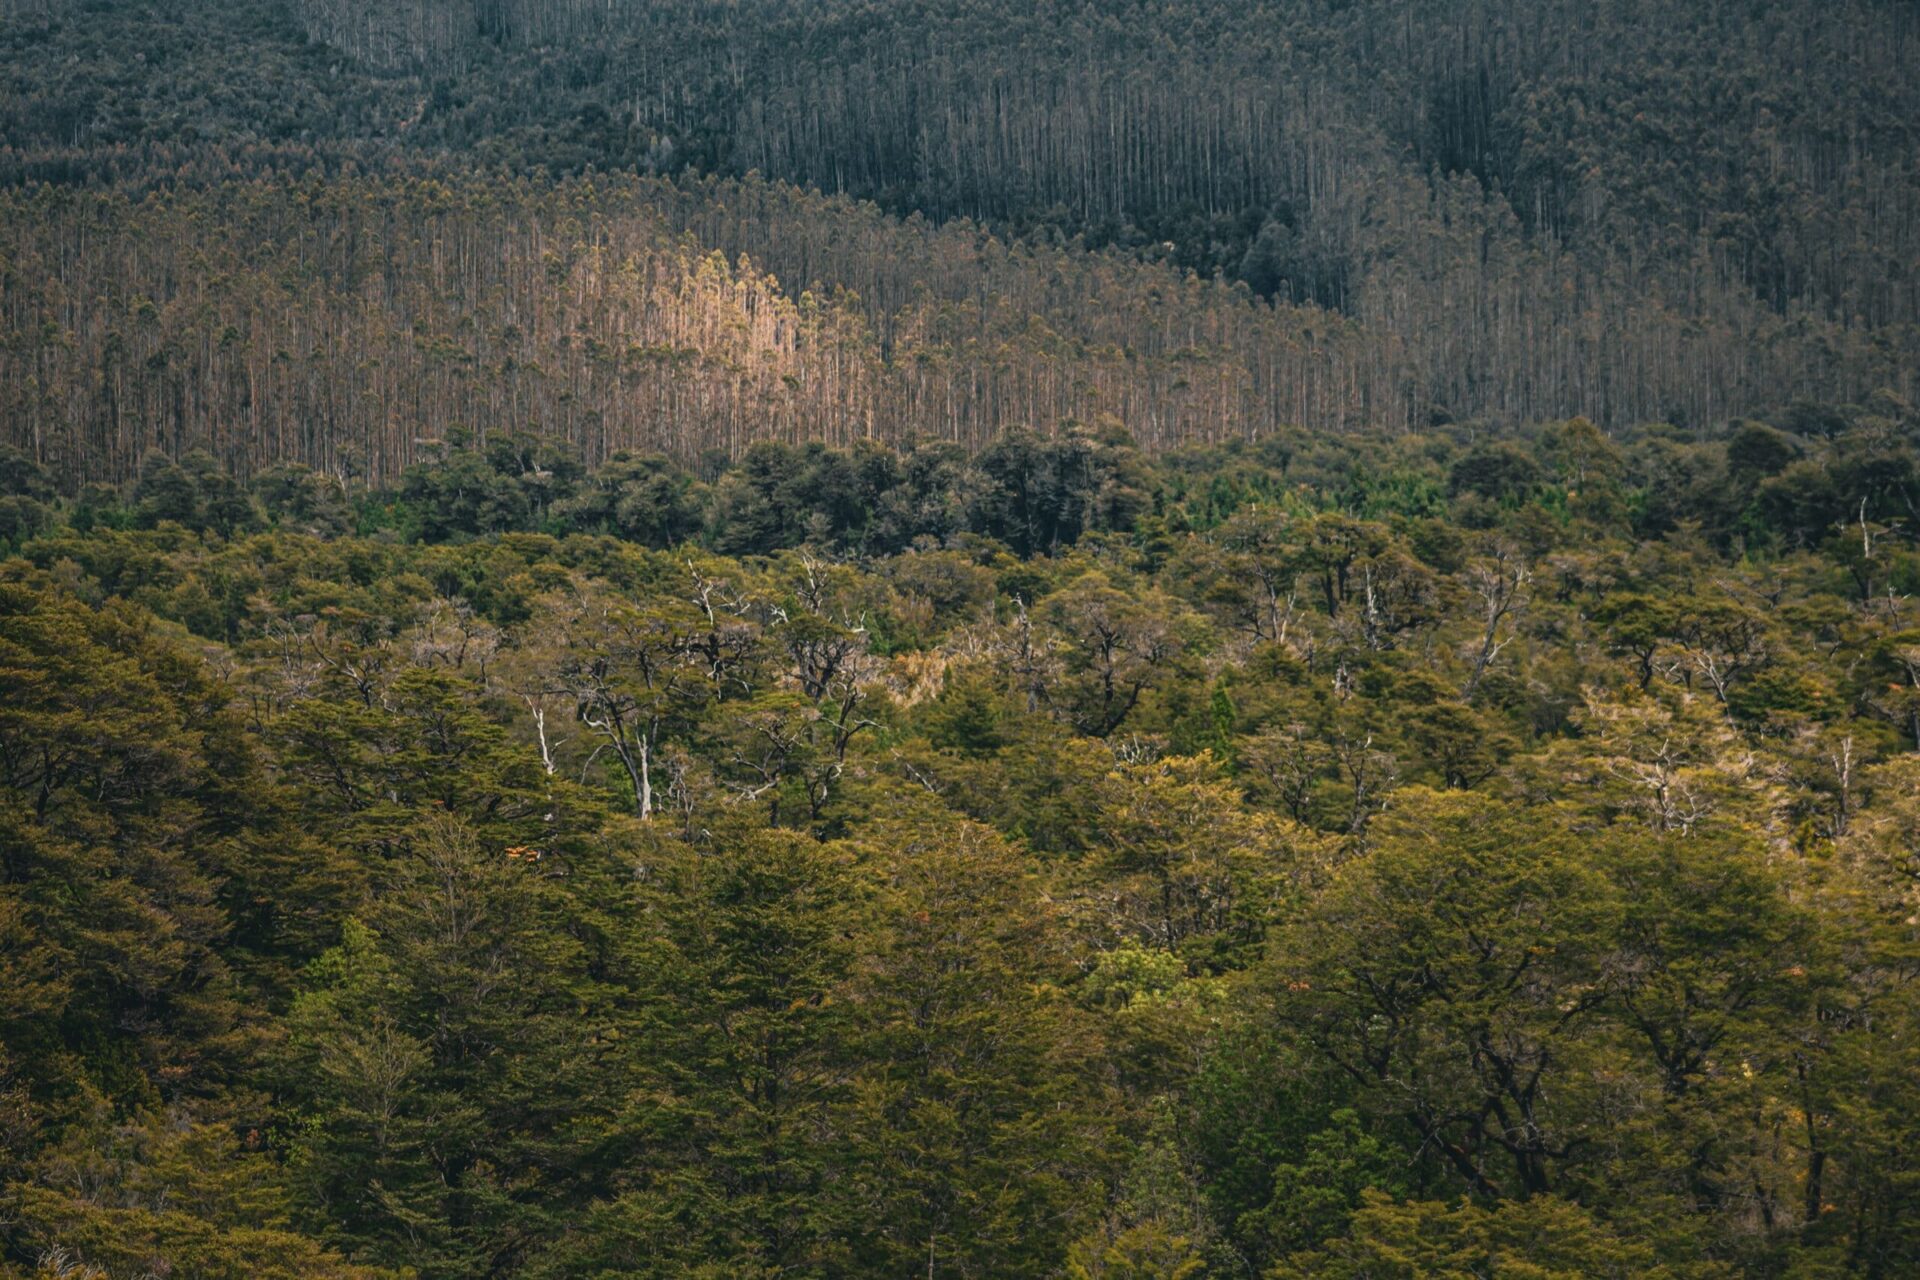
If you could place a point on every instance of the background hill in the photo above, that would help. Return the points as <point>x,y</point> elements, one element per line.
<point>1206,219</point>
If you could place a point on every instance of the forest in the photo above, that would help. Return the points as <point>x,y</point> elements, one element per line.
<point>1435,855</point>
<point>956,219</point>
<point>816,639</point>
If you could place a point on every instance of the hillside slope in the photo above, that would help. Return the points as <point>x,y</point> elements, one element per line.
<point>1504,211</point>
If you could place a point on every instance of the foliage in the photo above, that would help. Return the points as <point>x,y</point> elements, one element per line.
<point>1506,888</point>
<point>1092,640</point>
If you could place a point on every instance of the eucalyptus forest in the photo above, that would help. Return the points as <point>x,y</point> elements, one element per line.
<point>1093,640</point>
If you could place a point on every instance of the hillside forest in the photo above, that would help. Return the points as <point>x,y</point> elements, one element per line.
<point>809,639</point>
<point>320,231</point>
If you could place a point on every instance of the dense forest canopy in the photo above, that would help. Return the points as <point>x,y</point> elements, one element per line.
<point>1426,856</point>
<point>799,639</point>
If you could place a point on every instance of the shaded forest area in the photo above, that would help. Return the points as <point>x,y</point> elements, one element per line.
<point>1368,215</point>
<point>1423,856</point>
